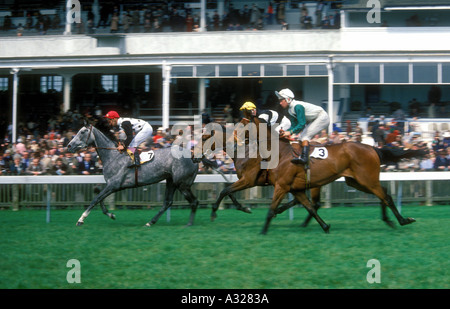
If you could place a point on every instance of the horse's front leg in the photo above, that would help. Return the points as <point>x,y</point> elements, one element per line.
<point>239,185</point>
<point>278,196</point>
<point>302,198</point>
<point>239,205</point>
<point>99,198</point>
<point>315,198</point>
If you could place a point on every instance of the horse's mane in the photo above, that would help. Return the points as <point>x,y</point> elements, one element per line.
<point>102,125</point>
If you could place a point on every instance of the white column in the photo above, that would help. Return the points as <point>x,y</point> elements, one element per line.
<point>68,30</point>
<point>202,15</point>
<point>330,93</point>
<point>15,93</point>
<point>67,91</point>
<point>201,95</point>
<point>96,11</point>
<point>166,95</point>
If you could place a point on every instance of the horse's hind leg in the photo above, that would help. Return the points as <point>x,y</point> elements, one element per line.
<point>353,183</point>
<point>193,201</point>
<point>386,200</point>
<point>98,199</point>
<point>106,212</point>
<point>168,200</point>
<point>401,220</point>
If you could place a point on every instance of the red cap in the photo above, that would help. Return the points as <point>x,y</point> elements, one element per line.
<point>112,115</point>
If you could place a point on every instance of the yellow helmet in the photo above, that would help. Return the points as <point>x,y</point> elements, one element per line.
<point>248,106</point>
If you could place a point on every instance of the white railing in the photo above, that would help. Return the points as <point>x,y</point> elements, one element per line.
<point>396,180</point>
<point>204,178</point>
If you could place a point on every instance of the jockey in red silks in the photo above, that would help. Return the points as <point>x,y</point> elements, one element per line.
<point>141,128</point>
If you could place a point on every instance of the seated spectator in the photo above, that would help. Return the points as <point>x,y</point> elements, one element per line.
<point>59,168</point>
<point>4,166</point>
<point>17,167</point>
<point>71,163</point>
<point>35,168</point>
<point>87,166</point>
<point>441,163</point>
<point>427,163</point>
<point>26,158</point>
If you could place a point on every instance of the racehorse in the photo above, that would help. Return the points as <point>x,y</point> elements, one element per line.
<point>358,163</point>
<point>179,173</point>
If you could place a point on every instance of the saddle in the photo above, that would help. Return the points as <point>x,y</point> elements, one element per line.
<point>145,156</point>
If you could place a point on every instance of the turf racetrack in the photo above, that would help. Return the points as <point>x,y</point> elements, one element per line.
<point>227,253</point>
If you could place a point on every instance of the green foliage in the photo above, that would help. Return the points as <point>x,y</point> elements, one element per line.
<point>228,253</point>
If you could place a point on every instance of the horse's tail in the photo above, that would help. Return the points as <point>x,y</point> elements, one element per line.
<point>390,154</point>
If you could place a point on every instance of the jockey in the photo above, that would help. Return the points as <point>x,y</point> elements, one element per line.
<point>307,118</point>
<point>141,128</point>
<point>271,117</point>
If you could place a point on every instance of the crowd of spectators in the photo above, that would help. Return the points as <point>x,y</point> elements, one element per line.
<point>178,18</point>
<point>46,154</point>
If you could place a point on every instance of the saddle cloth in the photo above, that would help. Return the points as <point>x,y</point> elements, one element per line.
<point>145,156</point>
<point>317,151</point>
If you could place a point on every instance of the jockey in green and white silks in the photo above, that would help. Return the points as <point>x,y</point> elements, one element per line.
<point>306,118</point>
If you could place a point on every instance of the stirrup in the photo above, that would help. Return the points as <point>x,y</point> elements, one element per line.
<point>299,160</point>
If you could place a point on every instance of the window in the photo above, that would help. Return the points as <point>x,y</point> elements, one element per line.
<point>147,83</point>
<point>110,83</point>
<point>344,73</point>
<point>3,83</point>
<point>396,73</point>
<point>425,73</point>
<point>51,83</point>
<point>369,73</point>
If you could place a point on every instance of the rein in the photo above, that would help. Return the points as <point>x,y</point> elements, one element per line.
<point>89,136</point>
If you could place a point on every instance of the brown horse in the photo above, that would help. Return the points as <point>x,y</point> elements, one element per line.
<point>358,163</point>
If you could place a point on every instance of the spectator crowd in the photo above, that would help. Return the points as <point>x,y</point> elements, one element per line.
<point>43,151</point>
<point>179,18</point>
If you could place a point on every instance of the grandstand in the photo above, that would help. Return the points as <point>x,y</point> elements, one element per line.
<point>354,60</point>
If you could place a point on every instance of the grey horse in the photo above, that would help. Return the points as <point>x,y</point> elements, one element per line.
<point>179,173</point>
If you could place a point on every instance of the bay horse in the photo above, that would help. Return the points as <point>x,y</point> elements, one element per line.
<point>179,173</point>
<point>358,163</point>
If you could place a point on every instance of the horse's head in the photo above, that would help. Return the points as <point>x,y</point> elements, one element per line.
<point>83,139</point>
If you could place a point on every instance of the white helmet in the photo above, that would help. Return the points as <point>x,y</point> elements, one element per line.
<point>285,94</point>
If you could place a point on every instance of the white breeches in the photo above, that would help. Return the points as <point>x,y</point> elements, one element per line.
<point>142,136</point>
<point>321,122</point>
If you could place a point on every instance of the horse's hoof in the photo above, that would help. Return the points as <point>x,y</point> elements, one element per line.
<point>327,229</point>
<point>304,224</point>
<point>408,221</point>
<point>247,210</point>
<point>148,224</point>
<point>113,216</point>
<point>80,223</point>
<point>390,223</point>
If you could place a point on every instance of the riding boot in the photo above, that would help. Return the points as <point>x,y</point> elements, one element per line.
<point>137,159</point>
<point>303,158</point>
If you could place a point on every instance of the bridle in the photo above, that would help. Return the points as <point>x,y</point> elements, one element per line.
<point>89,136</point>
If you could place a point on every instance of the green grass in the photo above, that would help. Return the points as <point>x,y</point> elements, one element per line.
<point>227,253</point>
